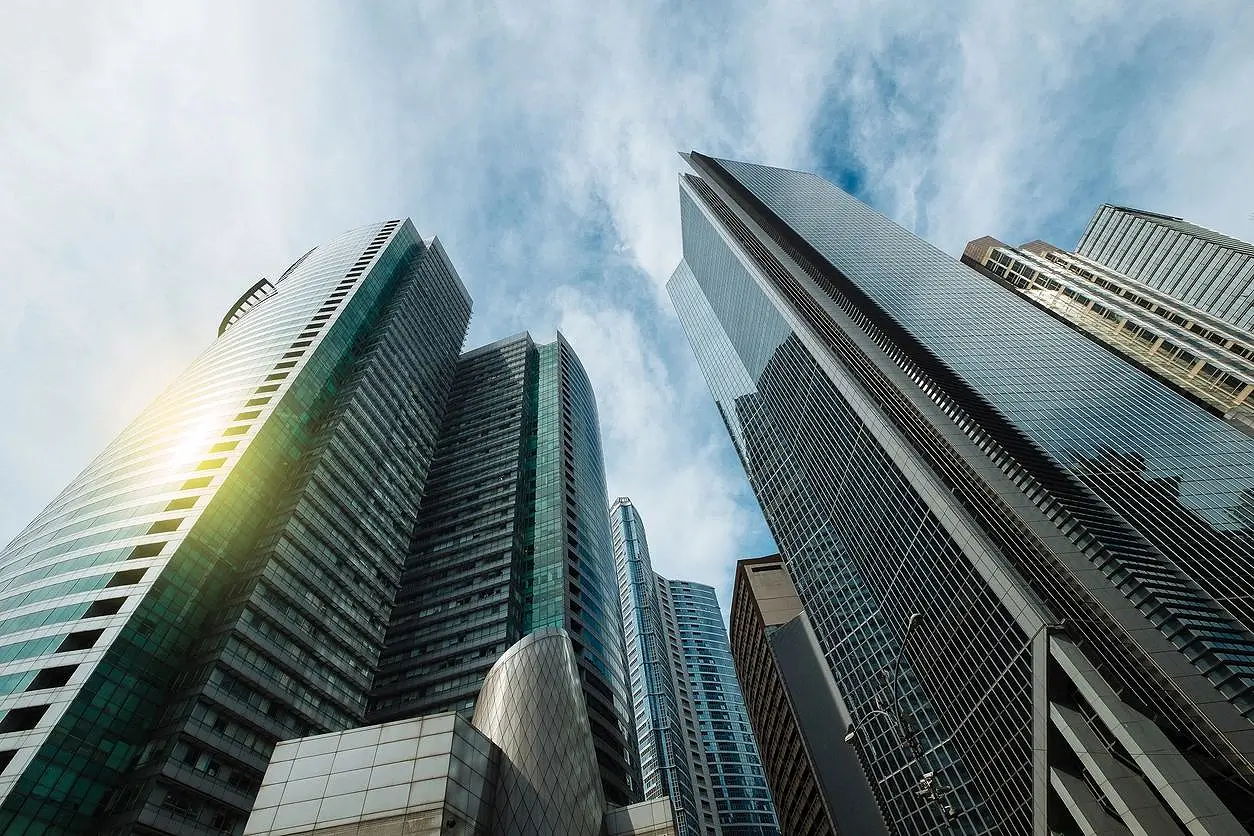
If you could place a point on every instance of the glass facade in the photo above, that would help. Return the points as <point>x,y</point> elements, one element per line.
<point>1192,351</point>
<point>218,578</point>
<point>1195,265</point>
<point>664,766</point>
<point>730,777</point>
<point>460,601</point>
<point>925,442</point>
<point>512,537</point>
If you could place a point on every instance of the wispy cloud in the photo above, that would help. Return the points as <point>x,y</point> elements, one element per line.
<point>157,157</point>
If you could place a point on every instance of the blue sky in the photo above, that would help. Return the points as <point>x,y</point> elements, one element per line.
<point>157,158</point>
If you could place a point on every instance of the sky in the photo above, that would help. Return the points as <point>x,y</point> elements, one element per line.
<point>157,158</point>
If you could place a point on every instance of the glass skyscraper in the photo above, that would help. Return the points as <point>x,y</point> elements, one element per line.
<point>664,755</point>
<point>513,537</point>
<point>730,784</point>
<point>219,578</point>
<point>996,526</point>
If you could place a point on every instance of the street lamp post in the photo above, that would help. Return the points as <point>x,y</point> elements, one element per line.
<point>929,787</point>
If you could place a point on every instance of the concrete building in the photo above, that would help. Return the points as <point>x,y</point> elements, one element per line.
<point>818,787</point>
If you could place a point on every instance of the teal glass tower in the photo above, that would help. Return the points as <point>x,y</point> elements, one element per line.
<point>512,538</point>
<point>219,578</point>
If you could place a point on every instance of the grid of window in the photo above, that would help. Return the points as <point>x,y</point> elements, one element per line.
<point>1074,402</point>
<point>721,737</point>
<point>659,731</point>
<point>460,602</point>
<point>1193,264</point>
<point>231,549</point>
<point>513,537</point>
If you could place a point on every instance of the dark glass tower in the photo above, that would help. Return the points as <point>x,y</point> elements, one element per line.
<point>219,578</point>
<point>721,744</point>
<point>664,765</point>
<point>992,521</point>
<point>513,537</point>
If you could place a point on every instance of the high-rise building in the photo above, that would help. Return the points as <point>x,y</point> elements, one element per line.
<point>219,578</point>
<point>819,788</point>
<point>512,537</point>
<point>664,756</point>
<point>1197,353</point>
<point>1192,264</point>
<point>730,786</point>
<point>1024,558</point>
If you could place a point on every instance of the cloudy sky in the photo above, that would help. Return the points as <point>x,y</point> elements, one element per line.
<point>155,159</point>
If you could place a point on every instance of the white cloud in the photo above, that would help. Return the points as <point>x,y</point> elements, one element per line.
<point>662,447</point>
<point>157,157</point>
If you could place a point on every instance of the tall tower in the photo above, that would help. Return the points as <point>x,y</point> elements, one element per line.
<point>664,754</point>
<point>992,521</point>
<point>513,537</point>
<point>219,578</point>
<point>731,786</point>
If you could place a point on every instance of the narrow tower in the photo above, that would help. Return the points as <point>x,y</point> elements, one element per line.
<point>513,537</point>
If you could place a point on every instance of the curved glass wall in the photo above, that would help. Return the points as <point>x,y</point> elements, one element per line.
<point>114,596</point>
<point>664,767</point>
<point>532,707</point>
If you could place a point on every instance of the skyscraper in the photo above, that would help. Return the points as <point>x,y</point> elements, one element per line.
<point>1021,555</point>
<point>1195,265</point>
<point>512,537</point>
<point>730,785</point>
<point>219,577</point>
<point>664,756</point>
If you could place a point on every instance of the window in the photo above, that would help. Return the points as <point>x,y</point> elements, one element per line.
<point>146,550</point>
<point>107,606</point>
<point>52,677</point>
<point>127,577</point>
<point>165,526</point>
<point>22,719</point>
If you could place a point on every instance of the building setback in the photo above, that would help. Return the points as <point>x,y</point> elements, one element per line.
<point>993,522</point>
<point>730,786</point>
<point>513,537</point>
<point>219,577</point>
